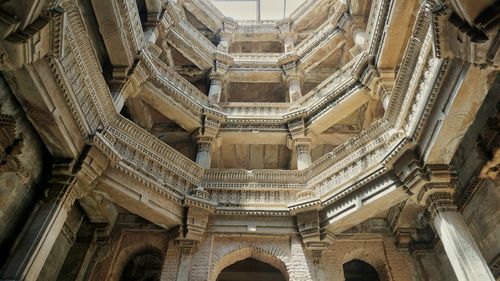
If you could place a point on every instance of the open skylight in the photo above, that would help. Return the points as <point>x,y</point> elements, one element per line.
<point>258,10</point>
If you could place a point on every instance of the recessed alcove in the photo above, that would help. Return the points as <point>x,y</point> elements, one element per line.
<point>250,270</point>
<point>358,270</point>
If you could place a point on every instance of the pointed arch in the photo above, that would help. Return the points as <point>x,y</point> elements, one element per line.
<point>248,252</point>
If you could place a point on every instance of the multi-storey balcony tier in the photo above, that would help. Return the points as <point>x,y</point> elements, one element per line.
<point>286,136</point>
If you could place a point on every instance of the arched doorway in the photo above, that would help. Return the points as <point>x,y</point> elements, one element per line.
<point>358,270</point>
<point>250,270</point>
<point>143,266</point>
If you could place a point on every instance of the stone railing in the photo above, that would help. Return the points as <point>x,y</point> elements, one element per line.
<point>256,59</point>
<point>254,109</point>
<point>256,27</point>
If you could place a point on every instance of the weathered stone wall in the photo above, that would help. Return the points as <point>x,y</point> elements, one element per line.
<point>22,167</point>
<point>114,253</point>
<point>390,263</point>
<point>217,251</point>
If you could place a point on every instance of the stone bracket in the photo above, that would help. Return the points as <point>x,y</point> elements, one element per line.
<point>199,208</point>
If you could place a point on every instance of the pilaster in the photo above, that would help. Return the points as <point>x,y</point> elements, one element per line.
<point>199,208</point>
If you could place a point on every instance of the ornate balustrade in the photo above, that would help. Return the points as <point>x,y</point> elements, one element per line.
<point>257,59</point>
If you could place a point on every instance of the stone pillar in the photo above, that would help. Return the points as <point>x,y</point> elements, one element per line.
<point>215,91</point>
<point>224,42</point>
<point>303,150</point>
<point>226,35</point>
<point>36,243</point>
<point>294,91</point>
<point>203,157</point>
<point>289,43</point>
<point>461,249</point>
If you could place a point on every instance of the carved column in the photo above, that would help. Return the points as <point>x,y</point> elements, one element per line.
<point>215,91</point>
<point>34,247</point>
<point>205,138</point>
<point>303,150</point>
<point>287,35</point>
<point>294,90</point>
<point>203,157</point>
<point>289,43</point>
<point>463,252</point>
<point>300,141</point>
<point>293,79</point>
<point>226,35</point>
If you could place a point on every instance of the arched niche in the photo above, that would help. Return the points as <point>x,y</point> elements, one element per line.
<point>358,270</point>
<point>250,269</point>
<point>246,253</point>
<point>145,265</point>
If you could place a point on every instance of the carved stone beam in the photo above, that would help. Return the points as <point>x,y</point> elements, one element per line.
<point>154,9</point>
<point>134,86</point>
<point>122,40</point>
<point>415,175</point>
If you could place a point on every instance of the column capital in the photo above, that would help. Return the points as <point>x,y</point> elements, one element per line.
<point>216,77</point>
<point>302,145</point>
<point>440,202</point>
